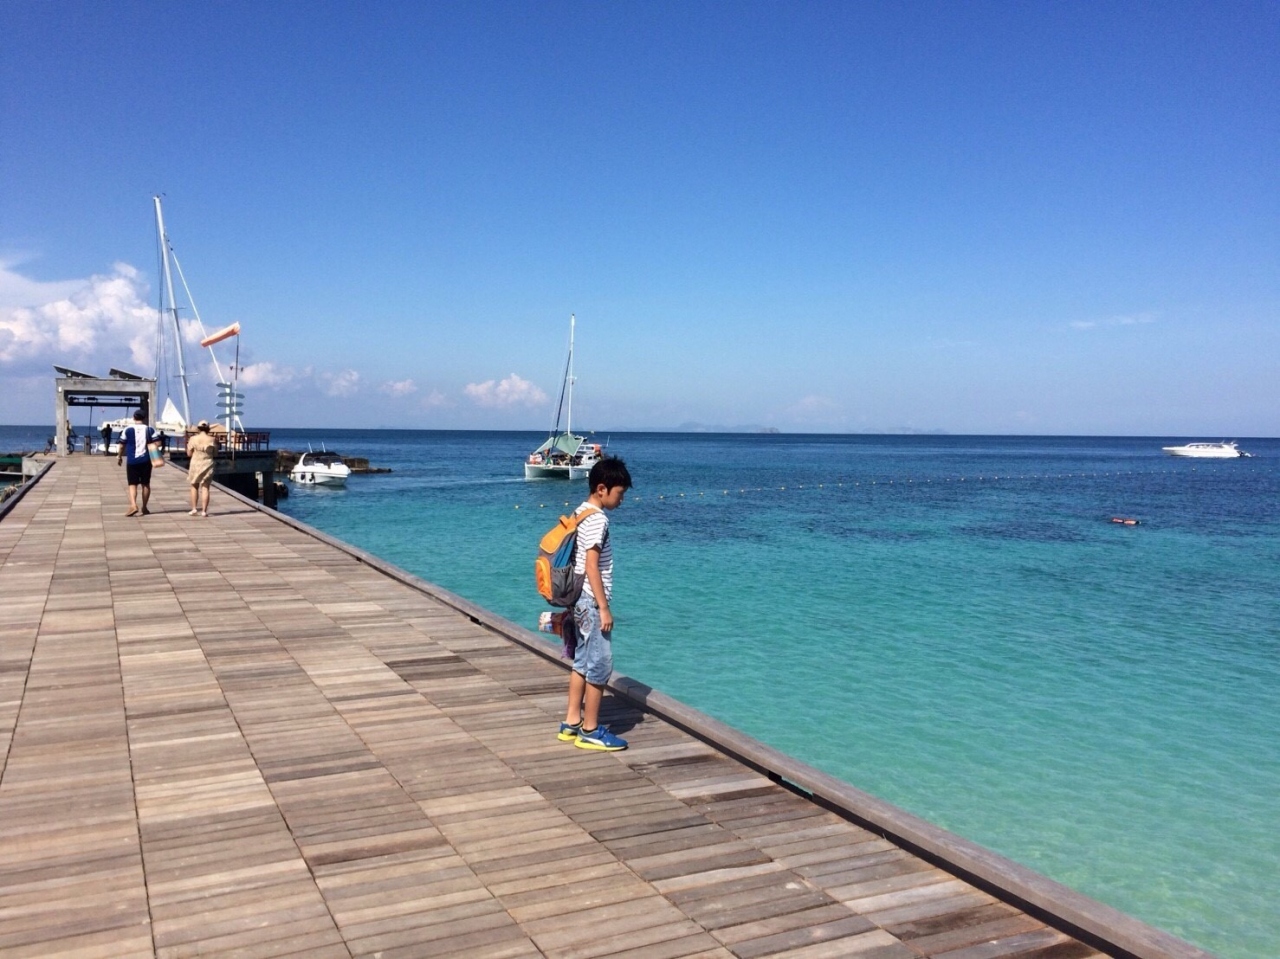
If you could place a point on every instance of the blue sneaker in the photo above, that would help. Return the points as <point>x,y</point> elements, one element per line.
<point>601,739</point>
<point>568,733</point>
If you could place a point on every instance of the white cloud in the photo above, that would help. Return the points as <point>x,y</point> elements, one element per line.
<point>513,391</point>
<point>434,400</point>
<point>1128,319</point>
<point>343,383</point>
<point>17,290</point>
<point>190,330</point>
<point>398,387</point>
<point>271,376</point>
<point>102,321</point>
<point>98,322</point>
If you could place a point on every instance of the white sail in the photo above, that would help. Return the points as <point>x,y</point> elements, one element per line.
<point>170,417</point>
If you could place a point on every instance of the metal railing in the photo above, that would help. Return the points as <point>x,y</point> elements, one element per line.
<point>236,441</point>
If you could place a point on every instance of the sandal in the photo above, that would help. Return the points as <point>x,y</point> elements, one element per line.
<point>132,512</point>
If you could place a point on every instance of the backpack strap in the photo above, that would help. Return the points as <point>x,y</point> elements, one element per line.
<point>582,516</point>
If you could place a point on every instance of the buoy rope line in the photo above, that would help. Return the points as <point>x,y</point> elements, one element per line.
<point>677,496</point>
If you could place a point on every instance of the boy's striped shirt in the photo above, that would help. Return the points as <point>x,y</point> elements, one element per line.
<point>594,531</point>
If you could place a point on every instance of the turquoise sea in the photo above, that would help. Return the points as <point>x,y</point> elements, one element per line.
<point>950,623</point>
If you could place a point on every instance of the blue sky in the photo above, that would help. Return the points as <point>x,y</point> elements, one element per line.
<point>976,217</point>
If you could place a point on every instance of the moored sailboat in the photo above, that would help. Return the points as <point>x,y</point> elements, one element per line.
<point>171,337</point>
<point>564,455</point>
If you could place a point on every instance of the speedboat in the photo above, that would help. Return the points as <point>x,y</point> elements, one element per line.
<point>563,455</point>
<point>1217,451</point>
<point>320,469</point>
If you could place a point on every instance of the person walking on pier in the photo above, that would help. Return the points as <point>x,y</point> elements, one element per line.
<point>593,659</point>
<point>133,444</point>
<point>200,447</point>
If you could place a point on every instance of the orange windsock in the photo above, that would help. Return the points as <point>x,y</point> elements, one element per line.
<point>222,334</point>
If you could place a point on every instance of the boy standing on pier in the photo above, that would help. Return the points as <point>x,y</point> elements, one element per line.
<point>593,661</point>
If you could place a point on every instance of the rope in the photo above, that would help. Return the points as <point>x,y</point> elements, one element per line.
<point>675,496</point>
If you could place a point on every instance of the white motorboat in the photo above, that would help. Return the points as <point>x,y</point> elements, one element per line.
<point>1217,451</point>
<point>564,455</point>
<point>171,426</point>
<point>320,469</point>
<point>109,432</point>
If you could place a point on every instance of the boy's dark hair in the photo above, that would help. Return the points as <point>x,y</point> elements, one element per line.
<point>610,471</point>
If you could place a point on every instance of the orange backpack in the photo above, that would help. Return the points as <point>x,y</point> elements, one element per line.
<point>553,567</point>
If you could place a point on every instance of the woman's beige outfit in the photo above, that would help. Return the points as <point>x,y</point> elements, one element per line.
<point>200,448</point>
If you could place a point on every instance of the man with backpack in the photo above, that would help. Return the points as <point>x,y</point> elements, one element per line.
<point>593,564</point>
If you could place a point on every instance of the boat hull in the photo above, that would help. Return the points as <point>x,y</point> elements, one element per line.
<point>1208,451</point>
<point>320,469</point>
<point>312,478</point>
<point>533,472</point>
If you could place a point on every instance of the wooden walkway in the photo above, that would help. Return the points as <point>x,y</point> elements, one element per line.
<point>223,736</point>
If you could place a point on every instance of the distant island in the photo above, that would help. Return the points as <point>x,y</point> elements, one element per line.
<point>695,427</point>
<point>692,427</point>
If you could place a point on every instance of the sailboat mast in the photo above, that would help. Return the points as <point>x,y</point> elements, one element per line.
<point>173,309</point>
<point>568,426</point>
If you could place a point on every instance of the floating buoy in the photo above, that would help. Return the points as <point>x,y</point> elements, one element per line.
<point>1125,520</point>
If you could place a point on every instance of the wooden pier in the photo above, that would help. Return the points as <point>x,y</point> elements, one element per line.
<point>229,736</point>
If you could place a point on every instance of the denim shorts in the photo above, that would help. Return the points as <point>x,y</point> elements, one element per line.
<point>594,656</point>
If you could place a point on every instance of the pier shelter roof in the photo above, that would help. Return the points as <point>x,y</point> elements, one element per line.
<point>119,389</point>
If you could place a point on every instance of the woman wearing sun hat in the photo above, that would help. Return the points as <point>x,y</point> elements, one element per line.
<point>200,447</point>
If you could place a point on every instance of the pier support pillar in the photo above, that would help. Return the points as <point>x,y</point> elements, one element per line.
<point>246,484</point>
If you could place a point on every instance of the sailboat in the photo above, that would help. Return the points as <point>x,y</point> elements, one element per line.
<point>563,455</point>
<point>169,336</point>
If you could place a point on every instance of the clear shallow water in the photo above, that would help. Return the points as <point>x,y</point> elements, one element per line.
<point>951,623</point>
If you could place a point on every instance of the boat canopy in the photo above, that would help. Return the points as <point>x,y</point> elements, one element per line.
<point>565,443</point>
<point>320,459</point>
